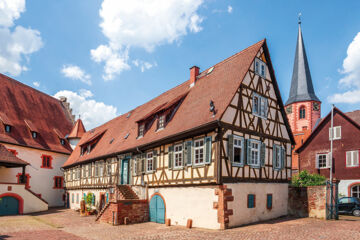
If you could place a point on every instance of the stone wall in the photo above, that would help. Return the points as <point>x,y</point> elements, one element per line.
<point>307,201</point>
<point>127,211</point>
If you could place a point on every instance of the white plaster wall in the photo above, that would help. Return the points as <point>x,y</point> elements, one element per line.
<point>76,205</point>
<point>183,203</point>
<point>31,202</point>
<point>344,184</point>
<point>41,179</point>
<point>243,215</point>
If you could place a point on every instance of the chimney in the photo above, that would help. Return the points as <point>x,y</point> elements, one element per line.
<point>194,72</point>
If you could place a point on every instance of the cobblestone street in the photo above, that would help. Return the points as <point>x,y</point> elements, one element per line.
<point>67,224</point>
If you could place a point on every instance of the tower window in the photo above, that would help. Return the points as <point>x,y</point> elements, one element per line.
<point>302,112</point>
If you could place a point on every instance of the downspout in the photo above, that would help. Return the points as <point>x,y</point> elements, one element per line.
<point>219,160</point>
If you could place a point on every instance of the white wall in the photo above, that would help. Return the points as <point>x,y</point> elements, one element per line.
<point>41,179</point>
<point>31,202</point>
<point>183,203</point>
<point>344,185</point>
<point>244,215</point>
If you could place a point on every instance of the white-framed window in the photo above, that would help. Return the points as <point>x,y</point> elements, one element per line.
<point>238,150</point>
<point>83,168</point>
<point>96,169</point>
<point>109,168</point>
<point>352,158</point>
<point>141,130</point>
<point>149,162</point>
<point>259,106</point>
<point>355,191</point>
<point>161,122</point>
<point>178,156</point>
<point>277,156</point>
<point>101,169</point>
<point>337,133</point>
<point>254,152</point>
<point>322,160</point>
<point>199,151</point>
<point>260,68</point>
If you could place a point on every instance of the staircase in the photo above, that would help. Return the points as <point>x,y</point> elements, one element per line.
<point>125,192</point>
<point>102,211</point>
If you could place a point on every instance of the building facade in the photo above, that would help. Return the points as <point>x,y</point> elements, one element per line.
<point>303,107</point>
<point>214,151</point>
<point>315,155</point>
<point>33,126</point>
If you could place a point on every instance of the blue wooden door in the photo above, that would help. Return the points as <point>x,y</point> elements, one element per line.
<point>125,172</point>
<point>9,206</point>
<point>157,209</point>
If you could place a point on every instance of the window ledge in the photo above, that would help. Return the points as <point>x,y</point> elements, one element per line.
<point>254,166</point>
<point>237,164</point>
<point>178,168</point>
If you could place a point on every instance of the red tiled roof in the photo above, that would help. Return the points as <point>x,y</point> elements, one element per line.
<point>220,86</point>
<point>78,130</point>
<point>5,119</point>
<point>9,158</point>
<point>29,109</point>
<point>355,116</point>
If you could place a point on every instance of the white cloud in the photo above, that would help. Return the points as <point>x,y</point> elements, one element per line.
<point>36,84</point>
<point>142,24</point>
<point>15,44</point>
<point>143,65</point>
<point>10,10</point>
<point>229,9</point>
<point>75,72</point>
<point>92,113</point>
<point>351,79</point>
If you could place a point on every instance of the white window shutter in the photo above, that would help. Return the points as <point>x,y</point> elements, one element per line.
<point>348,158</point>
<point>356,160</point>
<point>330,134</point>
<point>338,132</point>
<point>328,160</point>
<point>317,161</point>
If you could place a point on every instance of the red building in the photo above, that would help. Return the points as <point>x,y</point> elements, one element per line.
<point>314,154</point>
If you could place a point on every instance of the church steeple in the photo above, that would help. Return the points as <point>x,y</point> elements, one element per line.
<point>301,83</point>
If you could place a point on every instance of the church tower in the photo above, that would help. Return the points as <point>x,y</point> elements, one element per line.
<point>303,108</point>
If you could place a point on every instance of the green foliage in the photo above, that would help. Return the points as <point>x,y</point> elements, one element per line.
<point>305,179</point>
<point>89,199</point>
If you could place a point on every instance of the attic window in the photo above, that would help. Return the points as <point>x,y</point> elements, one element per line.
<point>111,141</point>
<point>7,128</point>
<point>62,141</point>
<point>141,130</point>
<point>210,70</point>
<point>161,122</point>
<point>34,134</point>
<point>127,135</point>
<point>129,114</point>
<point>260,67</point>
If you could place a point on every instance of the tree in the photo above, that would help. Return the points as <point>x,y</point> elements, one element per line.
<point>305,179</point>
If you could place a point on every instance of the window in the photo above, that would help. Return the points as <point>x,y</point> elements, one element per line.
<point>302,112</point>
<point>149,162</point>
<point>62,141</point>
<point>72,198</point>
<point>260,106</point>
<point>269,201</point>
<point>46,161</point>
<point>199,151</point>
<point>337,133</point>
<point>141,130</point>
<point>77,198</point>
<point>161,122</point>
<point>58,182</point>
<point>238,156</point>
<point>109,168</point>
<point>7,128</point>
<point>352,158</point>
<point>178,156</point>
<point>322,160</point>
<point>254,153</point>
<point>278,157</point>
<point>26,180</point>
<point>96,169</point>
<point>260,68</point>
<point>89,170</point>
<point>101,169</point>
<point>355,191</point>
<point>34,134</point>
<point>251,201</point>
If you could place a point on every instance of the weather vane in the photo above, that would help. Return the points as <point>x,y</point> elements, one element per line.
<point>299,17</point>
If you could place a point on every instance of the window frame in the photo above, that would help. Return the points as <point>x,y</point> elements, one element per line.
<point>241,146</point>
<point>279,156</point>
<point>352,165</point>
<point>253,205</point>
<point>141,130</point>
<point>318,160</point>
<point>267,201</point>
<point>302,112</point>
<point>178,153</point>
<point>260,68</point>
<point>56,179</point>
<point>334,130</point>
<point>199,148</point>
<point>261,109</point>
<point>8,128</point>
<point>357,191</point>
<point>161,122</point>
<point>50,161</point>
<point>149,158</point>
<point>258,152</point>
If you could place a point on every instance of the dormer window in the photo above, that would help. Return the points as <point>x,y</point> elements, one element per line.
<point>62,141</point>
<point>34,134</point>
<point>141,130</point>
<point>7,128</point>
<point>88,149</point>
<point>161,122</point>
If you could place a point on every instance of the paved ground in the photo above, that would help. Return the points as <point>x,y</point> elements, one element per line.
<point>67,224</point>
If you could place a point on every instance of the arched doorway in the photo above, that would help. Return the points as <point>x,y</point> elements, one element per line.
<point>157,209</point>
<point>11,204</point>
<point>355,191</point>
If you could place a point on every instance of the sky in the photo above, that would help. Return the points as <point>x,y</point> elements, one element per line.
<point>110,56</point>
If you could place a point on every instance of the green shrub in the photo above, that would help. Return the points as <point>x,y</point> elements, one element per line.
<point>305,179</point>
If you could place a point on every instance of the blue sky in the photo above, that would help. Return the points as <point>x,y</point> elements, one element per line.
<point>70,47</point>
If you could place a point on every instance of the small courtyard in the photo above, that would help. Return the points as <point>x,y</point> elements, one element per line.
<point>67,224</point>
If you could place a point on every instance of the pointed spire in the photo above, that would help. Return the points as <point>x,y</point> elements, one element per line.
<point>301,83</point>
<point>78,130</point>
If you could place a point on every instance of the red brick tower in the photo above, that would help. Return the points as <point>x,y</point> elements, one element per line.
<point>303,107</point>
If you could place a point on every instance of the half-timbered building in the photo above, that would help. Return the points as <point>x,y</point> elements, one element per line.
<point>214,151</point>
<point>33,126</point>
